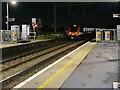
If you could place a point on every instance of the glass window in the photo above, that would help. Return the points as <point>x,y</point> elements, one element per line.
<point>73,28</point>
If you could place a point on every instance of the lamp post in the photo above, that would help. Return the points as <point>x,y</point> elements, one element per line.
<point>7,16</point>
<point>55,27</point>
<point>13,2</point>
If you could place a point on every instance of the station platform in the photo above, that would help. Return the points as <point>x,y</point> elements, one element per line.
<point>6,45</point>
<point>92,65</point>
<point>13,50</point>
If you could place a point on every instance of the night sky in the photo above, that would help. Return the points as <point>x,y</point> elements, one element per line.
<point>88,14</point>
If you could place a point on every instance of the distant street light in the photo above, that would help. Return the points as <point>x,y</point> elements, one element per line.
<point>13,2</point>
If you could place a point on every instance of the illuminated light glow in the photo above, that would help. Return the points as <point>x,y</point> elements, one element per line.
<point>72,34</point>
<point>13,2</point>
<point>69,32</point>
<point>35,25</point>
<point>76,33</point>
<point>74,25</point>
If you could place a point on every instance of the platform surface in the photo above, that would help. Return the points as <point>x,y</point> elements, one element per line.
<point>90,66</point>
<point>5,45</point>
<point>98,70</point>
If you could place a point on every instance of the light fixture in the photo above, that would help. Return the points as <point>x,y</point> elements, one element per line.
<point>74,25</point>
<point>13,2</point>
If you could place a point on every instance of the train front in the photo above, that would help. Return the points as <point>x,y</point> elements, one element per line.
<point>74,32</point>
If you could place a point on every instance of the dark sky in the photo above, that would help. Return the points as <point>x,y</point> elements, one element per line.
<point>91,14</point>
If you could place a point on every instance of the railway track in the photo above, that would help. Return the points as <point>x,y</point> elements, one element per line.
<point>11,64</point>
<point>16,71</point>
<point>40,46</point>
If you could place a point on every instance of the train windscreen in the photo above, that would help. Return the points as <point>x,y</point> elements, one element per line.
<point>74,28</point>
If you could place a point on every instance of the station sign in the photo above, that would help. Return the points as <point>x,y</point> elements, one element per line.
<point>98,36</point>
<point>116,15</point>
<point>11,19</point>
<point>107,35</point>
<point>88,29</point>
<point>34,21</point>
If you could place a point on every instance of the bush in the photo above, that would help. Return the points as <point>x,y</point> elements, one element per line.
<point>50,36</point>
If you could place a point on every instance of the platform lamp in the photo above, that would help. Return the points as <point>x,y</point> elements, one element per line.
<point>9,19</point>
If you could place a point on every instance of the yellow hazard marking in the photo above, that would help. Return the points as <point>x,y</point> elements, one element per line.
<point>58,72</point>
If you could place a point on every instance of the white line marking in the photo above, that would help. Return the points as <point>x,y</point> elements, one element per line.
<point>48,67</point>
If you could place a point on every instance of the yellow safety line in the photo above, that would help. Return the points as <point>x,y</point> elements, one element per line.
<point>59,71</point>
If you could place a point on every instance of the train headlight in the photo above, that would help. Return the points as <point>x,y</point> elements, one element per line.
<point>76,33</point>
<point>70,33</point>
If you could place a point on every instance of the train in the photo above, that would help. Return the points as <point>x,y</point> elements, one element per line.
<point>74,31</point>
<point>77,33</point>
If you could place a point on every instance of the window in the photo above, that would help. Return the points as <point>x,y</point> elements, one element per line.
<point>73,28</point>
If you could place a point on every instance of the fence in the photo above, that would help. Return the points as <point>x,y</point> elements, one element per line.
<point>5,36</point>
<point>32,35</point>
<point>8,36</point>
<point>26,36</point>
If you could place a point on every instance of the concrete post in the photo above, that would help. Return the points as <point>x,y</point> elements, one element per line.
<point>118,38</point>
<point>55,26</point>
<point>118,33</point>
<point>0,39</point>
<point>0,15</point>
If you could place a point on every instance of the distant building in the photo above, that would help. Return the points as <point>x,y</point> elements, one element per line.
<point>0,15</point>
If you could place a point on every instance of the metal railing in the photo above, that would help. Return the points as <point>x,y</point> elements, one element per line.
<point>32,36</point>
<point>7,37</point>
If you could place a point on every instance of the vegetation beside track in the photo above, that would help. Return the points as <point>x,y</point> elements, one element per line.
<point>51,36</point>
